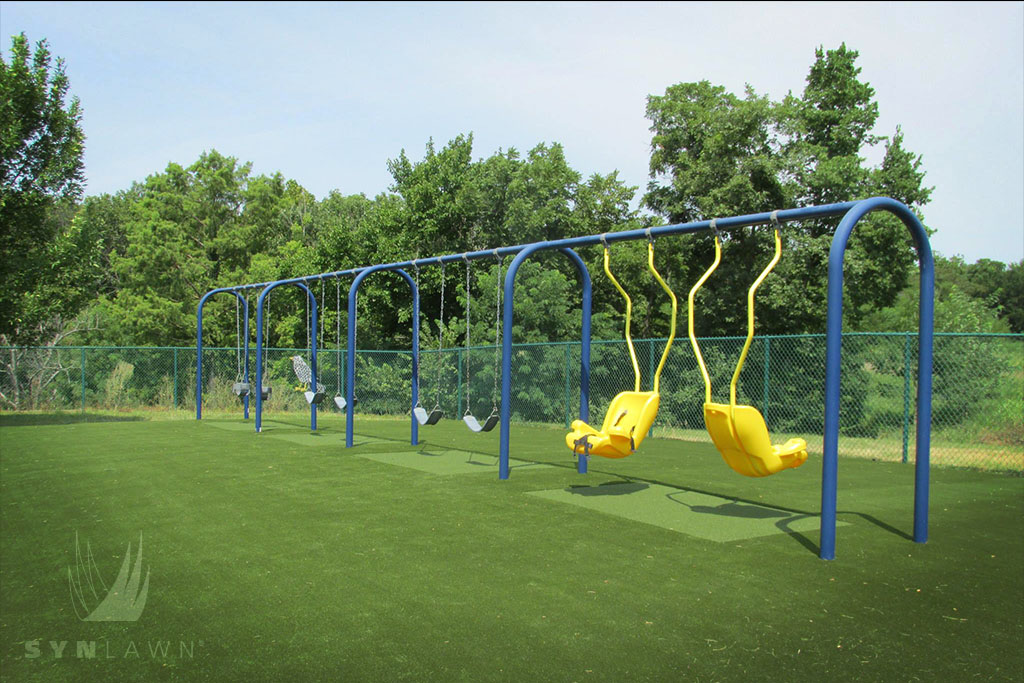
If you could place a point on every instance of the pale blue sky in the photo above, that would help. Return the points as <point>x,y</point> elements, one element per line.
<point>326,93</point>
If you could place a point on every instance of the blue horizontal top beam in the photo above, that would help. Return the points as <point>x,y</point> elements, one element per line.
<point>733,223</point>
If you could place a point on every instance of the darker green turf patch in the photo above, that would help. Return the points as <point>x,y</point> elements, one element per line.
<point>40,419</point>
<point>279,560</point>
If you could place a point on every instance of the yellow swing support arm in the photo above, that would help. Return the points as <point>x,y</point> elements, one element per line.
<point>629,314</point>
<point>672,324</point>
<point>693,337</point>
<point>750,318</point>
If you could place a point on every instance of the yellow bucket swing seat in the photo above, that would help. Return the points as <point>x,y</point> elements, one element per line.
<point>739,432</point>
<point>631,413</point>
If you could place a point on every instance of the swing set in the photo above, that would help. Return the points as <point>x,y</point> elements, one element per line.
<point>738,431</point>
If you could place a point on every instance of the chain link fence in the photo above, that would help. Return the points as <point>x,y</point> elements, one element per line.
<point>977,410</point>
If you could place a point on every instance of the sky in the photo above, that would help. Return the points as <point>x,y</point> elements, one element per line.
<point>326,93</point>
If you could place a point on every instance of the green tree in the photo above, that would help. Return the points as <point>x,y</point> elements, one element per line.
<point>448,203</point>
<point>1000,286</point>
<point>185,231</point>
<point>955,311</point>
<point>440,201</point>
<point>712,153</point>
<point>987,296</point>
<point>716,154</point>
<point>41,174</point>
<point>1011,296</point>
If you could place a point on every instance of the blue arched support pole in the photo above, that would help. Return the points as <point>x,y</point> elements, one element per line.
<point>350,357</point>
<point>259,349</point>
<point>199,348</point>
<point>506,350</point>
<point>833,350</point>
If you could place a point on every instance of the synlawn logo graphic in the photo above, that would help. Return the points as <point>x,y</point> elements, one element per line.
<point>123,601</point>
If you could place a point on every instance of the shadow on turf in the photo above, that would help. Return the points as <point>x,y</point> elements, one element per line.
<point>425,450</point>
<point>735,507</point>
<point>44,419</point>
<point>608,488</point>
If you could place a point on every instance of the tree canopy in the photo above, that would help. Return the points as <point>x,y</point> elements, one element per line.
<point>136,262</point>
<point>715,154</point>
<point>45,256</point>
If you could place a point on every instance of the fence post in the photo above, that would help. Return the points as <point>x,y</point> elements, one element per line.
<point>650,364</point>
<point>568,398</point>
<point>906,397</point>
<point>175,377</point>
<point>83,379</point>
<point>767,366</point>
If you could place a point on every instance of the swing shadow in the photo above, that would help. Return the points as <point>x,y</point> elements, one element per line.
<point>608,488</point>
<point>734,507</point>
<point>471,454</point>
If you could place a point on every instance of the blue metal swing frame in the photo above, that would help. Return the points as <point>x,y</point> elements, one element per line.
<point>850,212</point>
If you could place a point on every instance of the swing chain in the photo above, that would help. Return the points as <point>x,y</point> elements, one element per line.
<point>323,318</point>
<point>497,332</point>
<point>309,342</point>
<point>416,294</point>
<point>266,335</point>
<point>238,340</point>
<point>440,338</point>
<point>337,344</point>
<point>469,410</point>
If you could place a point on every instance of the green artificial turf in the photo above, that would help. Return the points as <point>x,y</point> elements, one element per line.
<point>689,512</point>
<point>448,461</point>
<point>283,556</point>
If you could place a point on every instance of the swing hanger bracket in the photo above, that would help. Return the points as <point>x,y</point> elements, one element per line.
<point>714,228</point>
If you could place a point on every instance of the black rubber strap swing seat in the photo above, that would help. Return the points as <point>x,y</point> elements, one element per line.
<point>240,387</point>
<point>420,413</point>
<point>495,417</point>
